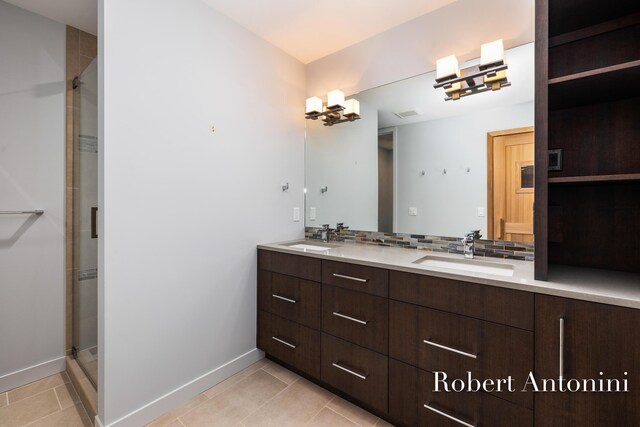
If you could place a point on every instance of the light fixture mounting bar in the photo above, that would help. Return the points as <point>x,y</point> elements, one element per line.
<point>465,75</point>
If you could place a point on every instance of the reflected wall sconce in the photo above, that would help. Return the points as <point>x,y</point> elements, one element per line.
<point>337,110</point>
<point>491,74</point>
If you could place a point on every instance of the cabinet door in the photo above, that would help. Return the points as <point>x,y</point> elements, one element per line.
<point>595,338</point>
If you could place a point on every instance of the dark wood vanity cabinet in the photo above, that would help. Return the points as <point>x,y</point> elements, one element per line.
<point>289,300</point>
<point>455,327</point>
<point>379,336</point>
<point>579,340</point>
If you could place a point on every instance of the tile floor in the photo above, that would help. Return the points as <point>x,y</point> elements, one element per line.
<point>264,394</point>
<point>49,402</point>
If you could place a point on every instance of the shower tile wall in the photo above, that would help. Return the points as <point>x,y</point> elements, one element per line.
<point>81,50</point>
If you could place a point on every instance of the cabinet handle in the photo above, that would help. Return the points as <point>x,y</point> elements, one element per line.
<point>353,319</point>
<point>459,421</point>
<point>284,342</point>
<point>284,299</point>
<point>356,279</point>
<point>561,361</point>
<point>444,347</point>
<point>355,374</point>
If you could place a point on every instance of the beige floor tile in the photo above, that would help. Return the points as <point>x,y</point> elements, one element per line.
<point>328,418</point>
<point>295,406</point>
<point>3,400</point>
<point>224,385</point>
<point>353,412</point>
<point>74,416</point>
<point>169,417</point>
<point>29,409</point>
<point>175,423</point>
<point>232,405</point>
<point>36,387</point>
<point>281,373</point>
<point>67,395</point>
<point>383,423</point>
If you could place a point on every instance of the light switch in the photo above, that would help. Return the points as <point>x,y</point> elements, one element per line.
<point>296,214</point>
<point>312,214</point>
<point>413,211</point>
<point>480,211</point>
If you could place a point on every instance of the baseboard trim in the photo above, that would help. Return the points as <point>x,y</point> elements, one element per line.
<point>156,408</point>
<point>31,374</point>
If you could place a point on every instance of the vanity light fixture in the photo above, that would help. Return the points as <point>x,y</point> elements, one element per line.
<point>337,110</point>
<point>490,74</point>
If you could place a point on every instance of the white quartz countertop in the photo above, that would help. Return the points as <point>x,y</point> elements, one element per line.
<point>603,286</point>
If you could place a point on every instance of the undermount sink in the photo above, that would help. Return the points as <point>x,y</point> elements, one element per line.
<point>472,265</point>
<point>309,247</point>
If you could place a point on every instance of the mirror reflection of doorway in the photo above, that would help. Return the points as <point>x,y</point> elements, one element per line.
<point>385,180</point>
<point>510,185</point>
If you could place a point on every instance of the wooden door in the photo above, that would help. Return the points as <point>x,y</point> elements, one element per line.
<point>596,338</point>
<point>510,183</point>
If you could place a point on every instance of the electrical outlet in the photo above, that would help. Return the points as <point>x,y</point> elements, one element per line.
<point>480,211</point>
<point>296,214</point>
<point>312,214</point>
<point>413,211</point>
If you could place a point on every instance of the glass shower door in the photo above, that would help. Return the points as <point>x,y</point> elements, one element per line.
<point>85,211</point>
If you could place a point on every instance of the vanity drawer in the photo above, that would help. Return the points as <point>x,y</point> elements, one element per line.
<point>357,317</point>
<point>411,388</point>
<point>290,342</point>
<point>356,277</point>
<point>435,340</point>
<point>292,265</point>
<point>289,297</point>
<point>505,306</point>
<point>361,373</point>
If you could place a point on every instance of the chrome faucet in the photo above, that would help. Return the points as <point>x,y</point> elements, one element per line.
<point>469,243</point>
<point>325,233</point>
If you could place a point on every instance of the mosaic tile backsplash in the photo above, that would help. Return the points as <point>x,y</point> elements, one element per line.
<point>484,248</point>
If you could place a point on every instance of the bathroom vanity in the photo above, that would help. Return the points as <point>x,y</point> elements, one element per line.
<point>375,324</point>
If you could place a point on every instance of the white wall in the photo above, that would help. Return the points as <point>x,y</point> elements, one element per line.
<point>344,158</point>
<point>184,208</point>
<point>32,147</point>
<point>412,48</point>
<point>448,203</point>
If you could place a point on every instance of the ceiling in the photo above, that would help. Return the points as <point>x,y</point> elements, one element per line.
<point>82,14</point>
<point>311,29</point>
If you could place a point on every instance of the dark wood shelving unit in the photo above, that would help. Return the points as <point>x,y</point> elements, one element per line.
<point>595,178</point>
<point>588,105</point>
<point>594,86</point>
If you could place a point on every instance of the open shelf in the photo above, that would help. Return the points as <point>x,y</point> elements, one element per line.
<point>595,86</point>
<point>595,30</point>
<point>595,178</point>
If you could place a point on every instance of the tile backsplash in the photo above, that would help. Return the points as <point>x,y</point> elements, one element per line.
<point>484,248</point>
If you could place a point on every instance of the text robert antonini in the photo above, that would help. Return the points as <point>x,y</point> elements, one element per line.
<point>560,384</point>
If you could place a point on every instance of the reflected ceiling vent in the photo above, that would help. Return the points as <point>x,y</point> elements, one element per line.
<point>409,113</point>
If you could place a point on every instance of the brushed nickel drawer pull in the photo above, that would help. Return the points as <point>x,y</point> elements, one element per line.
<point>353,319</point>
<point>284,342</point>
<point>356,279</point>
<point>426,405</point>
<point>284,299</point>
<point>561,362</point>
<point>355,374</point>
<point>444,347</point>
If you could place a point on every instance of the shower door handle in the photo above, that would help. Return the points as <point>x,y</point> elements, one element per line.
<point>94,223</point>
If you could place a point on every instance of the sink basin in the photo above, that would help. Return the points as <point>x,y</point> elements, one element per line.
<point>471,265</point>
<point>308,247</point>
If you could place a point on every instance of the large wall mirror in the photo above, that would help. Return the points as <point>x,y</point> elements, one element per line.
<point>417,164</point>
